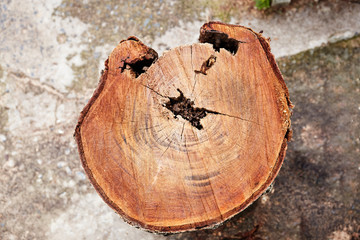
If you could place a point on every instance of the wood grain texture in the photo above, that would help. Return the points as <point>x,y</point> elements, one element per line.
<point>157,169</point>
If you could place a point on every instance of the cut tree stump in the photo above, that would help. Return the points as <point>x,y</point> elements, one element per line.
<point>188,140</point>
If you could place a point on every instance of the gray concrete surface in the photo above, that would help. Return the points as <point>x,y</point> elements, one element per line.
<point>51,55</point>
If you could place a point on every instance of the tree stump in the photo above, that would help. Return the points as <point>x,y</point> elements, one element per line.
<point>188,140</point>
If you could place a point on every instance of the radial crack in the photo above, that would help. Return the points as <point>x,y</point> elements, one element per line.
<point>154,91</point>
<point>185,108</point>
<point>224,114</point>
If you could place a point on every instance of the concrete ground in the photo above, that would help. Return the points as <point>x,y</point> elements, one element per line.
<point>52,53</point>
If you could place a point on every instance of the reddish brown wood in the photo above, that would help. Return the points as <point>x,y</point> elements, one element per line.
<point>188,140</point>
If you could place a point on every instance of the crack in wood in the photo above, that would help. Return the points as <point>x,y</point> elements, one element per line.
<point>207,65</point>
<point>185,108</point>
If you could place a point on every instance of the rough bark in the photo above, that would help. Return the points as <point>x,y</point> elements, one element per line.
<point>188,140</point>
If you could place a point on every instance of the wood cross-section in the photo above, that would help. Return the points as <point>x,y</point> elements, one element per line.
<point>175,145</point>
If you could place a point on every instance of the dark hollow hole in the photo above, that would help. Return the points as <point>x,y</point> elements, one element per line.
<point>185,108</point>
<point>220,40</point>
<point>140,65</point>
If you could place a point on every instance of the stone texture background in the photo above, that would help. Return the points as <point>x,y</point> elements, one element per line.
<point>52,53</point>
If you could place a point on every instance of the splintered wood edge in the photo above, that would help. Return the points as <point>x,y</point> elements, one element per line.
<point>185,228</point>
